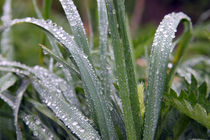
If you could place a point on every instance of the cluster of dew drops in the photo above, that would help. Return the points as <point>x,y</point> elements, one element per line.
<point>37,127</point>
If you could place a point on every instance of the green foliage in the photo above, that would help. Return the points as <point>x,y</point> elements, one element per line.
<point>92,92</point>
<point>194,102</point>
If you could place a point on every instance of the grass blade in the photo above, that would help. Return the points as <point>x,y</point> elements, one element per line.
<point>46,8</point>
<point>103,31</point>
<point>7,81</point>
<point>181,47</point>
<point>57,84</point>
<point>76,25</point>
<point>6,46</point>
<point>91,82</point>
<point>121,72</point>
<point>48,113</point>
<point>61,61</point>
<point>38,13</point>
<point>132,84</point>
<point>19,95</point>
<point>157,69</point>
<point>71,116</point>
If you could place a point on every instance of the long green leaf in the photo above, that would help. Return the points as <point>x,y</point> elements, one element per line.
<point>159,56</point>
<point>7,81</point>
<point>181,47</point>
<point>121,72</point>
<point>103,31</point>
<point>76,25</point>
<point>19,95</point>
<point>132,85</point>
<point>6,46</point>
<point>61,61</point>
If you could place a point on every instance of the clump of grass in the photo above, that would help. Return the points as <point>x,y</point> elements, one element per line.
<point>79,100</point>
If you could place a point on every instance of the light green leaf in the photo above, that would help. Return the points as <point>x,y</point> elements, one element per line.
<point>19,95</point>
<point>129,64</point>
<point>6,46</point>
<point>121,72</point>
<point>76,25</point>
<point>7,81</point>
<point>47,112</point>
<point>159,56</point>
<point>103,31</point>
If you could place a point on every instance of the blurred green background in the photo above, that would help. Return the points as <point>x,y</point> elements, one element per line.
<point>144,17</point>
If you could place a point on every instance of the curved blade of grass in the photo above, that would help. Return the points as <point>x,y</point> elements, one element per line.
<point>121,72</point>
<point>91,82</point>
<point>132,84</point>
<point>61,60</point>
<point>56,50</point>
<point>8,98</point>
<point>56,83</point>
<point>38,128</point>
<point>157,69</point>
<point>181,47</point>
<point>6,46</point>
<point>10,69</point>
<point>7,81</point>
<point>71,116</point>
<point>19,95</point>
<point>39,72</point>
<point>47,112</point>
<point>14,102</point>
<point>76,25</point>
<point>12,66</point>
<point>4,62</point>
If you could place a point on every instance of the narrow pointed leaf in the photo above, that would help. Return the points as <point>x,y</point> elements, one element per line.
<point>121,72</point>
<point>103,31</point>
<point>76,25</point>
<point>6,46</point>
<point>8,98</point>
<point>7,81</point>
<point>61,61</point>
<point>159,56</point>
<point>19,95</point>
<point>129,64</point>
<point>36,8</point>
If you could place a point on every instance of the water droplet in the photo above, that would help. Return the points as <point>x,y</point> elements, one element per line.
<point>74,123</point>
<point>82,130</point>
